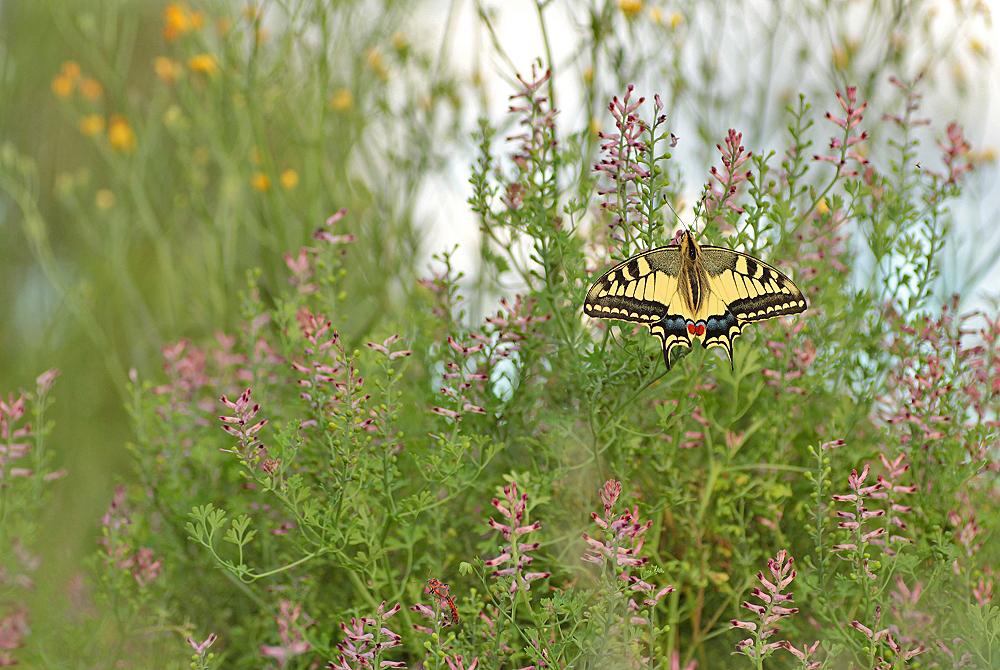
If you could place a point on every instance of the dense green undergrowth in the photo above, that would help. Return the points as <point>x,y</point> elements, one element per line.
<point>829,500</point>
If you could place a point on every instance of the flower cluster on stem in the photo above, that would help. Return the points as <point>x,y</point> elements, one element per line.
<point>515,553</point>
<point>367,640</point>
<point>241,426</point>
<point>774,608</point>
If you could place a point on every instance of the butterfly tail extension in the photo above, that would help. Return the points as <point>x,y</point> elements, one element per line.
<point>672,332</point>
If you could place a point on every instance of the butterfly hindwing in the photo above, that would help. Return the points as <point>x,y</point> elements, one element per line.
<point>688,290</point>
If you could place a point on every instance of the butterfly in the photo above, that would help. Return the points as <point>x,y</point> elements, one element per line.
<point>689,290</point>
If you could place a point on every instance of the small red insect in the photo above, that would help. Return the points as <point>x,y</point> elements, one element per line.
<point>437,587</point>
<point>440,589</point>
<point>454,610</point>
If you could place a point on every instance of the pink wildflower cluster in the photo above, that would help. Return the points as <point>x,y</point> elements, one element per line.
<point>853,115</point>
<point>328,365</point>
<point>884,635</point>
<point>13,444</point>
<point>459,381</point>
<point>943,387</point>
<point>774,609</point>
<point>729,178</point>
<point>120,556</point>
<point>366,640</point>
<point>514,552</point>
<point>241,427</point>
<point>884,488</point>
<point>622,164</point>
<point>303,265</point>
<point>623,547</point>
<point>796,360</point>
<point>293,642</point>
<point>512,325</point>
<point>539,138</point>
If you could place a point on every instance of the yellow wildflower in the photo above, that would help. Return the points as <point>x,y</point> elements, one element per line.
<point>656,15</point>
<point>840,58</point>
<point>261,182</point>
<point>822,207</point>
<point>104,199</point>
<point>62,86</point>
<point>91,89</point>
<point>92,124</point>
<point>676,18</point>
<point>399,42</point>
<point>120,134</point>
<point>179,19</point>
<point>342,99</point>
<point>630,7</point>
<point>289,179</point>
<point>71,69</point>
<point>204,63</point>
<point>374,59</point>
<point>166,69</point>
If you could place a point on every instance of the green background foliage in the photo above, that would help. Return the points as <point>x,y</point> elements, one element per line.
<point>160,161</point>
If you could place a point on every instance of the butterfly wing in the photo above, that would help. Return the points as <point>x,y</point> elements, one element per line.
<point>743,289</point>
<point>643,289</point>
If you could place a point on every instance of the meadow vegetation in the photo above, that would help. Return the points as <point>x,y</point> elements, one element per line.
<point>353,460</point>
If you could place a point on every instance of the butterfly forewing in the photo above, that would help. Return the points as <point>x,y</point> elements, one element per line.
<point>686,291</point>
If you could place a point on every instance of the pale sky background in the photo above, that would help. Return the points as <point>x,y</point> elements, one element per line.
<point>444,204</point>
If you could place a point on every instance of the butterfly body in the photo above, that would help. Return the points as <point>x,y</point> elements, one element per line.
<point>689,290</point>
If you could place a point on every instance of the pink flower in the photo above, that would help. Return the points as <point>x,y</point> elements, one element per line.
<point>290,633</point>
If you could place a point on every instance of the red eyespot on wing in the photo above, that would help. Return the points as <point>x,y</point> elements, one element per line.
<point>696,328</point>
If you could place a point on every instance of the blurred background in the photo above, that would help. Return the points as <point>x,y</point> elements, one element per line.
<point>152,154</point>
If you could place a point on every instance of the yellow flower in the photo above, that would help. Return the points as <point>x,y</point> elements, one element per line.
<point>289,179</point>
<point>399,42</point>
<point>630,7</point>
<point>104,199</point>
<point>179,19</point>
<point>656,15</point>
<point>342,99</point>
<point>261,182</point>
<point>71,70</point>
<point>204,63</point>
<point>166,69</point>
<point>676,18</point>
<point>374,59</point>
<point>92,124</point>
<point>91,89</point>
<point>822,207</point>
<point>840,58</point>
<point>62,86</point>
<point>120,135</point>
